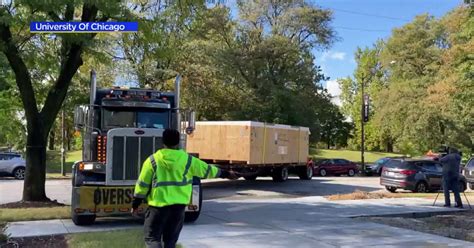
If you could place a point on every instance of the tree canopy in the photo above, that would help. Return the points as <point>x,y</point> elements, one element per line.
<point>421,85</point>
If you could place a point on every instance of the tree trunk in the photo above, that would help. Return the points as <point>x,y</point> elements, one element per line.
<point>389,146</point>
<point>68,139</point>
<point>52,136</point>
<point>34,184</point>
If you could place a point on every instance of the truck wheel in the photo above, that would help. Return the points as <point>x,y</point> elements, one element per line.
<point>193,216</point>
<point>250,178</point>
<point>83,220</point>
<point>280,174</point>
<point>306,173</point>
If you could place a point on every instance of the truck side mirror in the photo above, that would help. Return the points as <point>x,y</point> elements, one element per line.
<point>79,116</point>
<point>191,122</point>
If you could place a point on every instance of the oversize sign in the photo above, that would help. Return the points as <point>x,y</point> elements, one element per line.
<point>95,197</point>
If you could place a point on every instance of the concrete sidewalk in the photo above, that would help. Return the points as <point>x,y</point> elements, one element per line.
<point>297,222</point>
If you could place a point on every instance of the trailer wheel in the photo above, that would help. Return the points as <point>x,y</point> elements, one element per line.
<point>280,174</point>
<point>306,172</point>
<point>193,216</point>
<point>83,220</point>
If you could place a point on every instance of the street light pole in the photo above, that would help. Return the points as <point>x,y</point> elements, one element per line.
<point>362,144</point>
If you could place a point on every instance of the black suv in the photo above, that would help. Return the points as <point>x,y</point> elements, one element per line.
<point>468,171</point>
<point>415,175</point>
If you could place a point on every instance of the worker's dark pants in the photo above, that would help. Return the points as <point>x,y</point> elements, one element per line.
<point>451,183</point>
<point>163,224</point>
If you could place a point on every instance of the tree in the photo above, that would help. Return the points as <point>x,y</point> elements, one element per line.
<point>335,131</point>
<point>19,46</point>
<point>369,73</point>
<point>151,54</point>
<point>424,93</point>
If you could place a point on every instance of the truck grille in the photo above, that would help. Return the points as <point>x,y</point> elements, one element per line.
<point>127,154</point>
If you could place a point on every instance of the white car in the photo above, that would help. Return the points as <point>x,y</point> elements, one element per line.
<point>12,164</point>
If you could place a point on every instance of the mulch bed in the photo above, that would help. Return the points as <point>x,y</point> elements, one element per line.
<point>457,225</point>
<point>32,204</point>
<point>56,241</point>
<point>362,195</point>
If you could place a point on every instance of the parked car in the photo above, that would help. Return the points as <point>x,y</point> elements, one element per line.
<point>335,167</point>
<point>415,175</point>
<point>376,167</point>
<point>468,172</point>
<point>12,164</point>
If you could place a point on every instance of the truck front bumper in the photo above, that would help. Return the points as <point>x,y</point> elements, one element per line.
<point>114,200</point>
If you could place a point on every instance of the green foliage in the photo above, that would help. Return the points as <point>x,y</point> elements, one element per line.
<point>421,87</point>
<point>351,155</point>
<point>257,66</point>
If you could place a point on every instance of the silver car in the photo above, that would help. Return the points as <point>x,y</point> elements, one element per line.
<point>12,164</point>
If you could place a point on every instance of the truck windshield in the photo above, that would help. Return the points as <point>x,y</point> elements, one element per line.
<point>141,119</point>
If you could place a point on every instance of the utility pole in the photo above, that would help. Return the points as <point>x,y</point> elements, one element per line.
<point>362,122</point>
<point>63,151</point>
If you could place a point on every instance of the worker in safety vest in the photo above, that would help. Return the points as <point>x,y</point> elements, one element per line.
<point>165,182</point>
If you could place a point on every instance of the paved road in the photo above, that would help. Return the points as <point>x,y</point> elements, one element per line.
<point>266,214</point>
<point>11,190</point>
<point>285,222</point>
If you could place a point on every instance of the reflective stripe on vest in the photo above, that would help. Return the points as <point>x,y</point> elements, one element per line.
<point>183,182</point>
<point>207,171</point>
<point>154,176</point>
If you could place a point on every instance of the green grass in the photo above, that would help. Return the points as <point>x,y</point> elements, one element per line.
<point>53,161</point>
<point>117,239</point>
<point>349,155</point>
<point>25,214</point>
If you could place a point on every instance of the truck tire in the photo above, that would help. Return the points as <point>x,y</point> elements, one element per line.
<point>83,220</point>
<point>280,174</point>
<point>193,216</point>
<point>306,172</point>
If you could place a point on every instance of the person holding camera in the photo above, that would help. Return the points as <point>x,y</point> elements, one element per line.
<point>451,164</point>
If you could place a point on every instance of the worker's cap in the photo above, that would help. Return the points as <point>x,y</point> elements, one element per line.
<point>171,137</point>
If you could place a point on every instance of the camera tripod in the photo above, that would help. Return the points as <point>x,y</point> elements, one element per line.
<point>465,196</point>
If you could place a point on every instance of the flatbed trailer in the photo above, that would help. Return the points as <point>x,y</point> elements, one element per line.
<point>253,149</point>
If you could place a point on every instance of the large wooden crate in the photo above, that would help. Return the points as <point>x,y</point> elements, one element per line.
<point>249,142</point>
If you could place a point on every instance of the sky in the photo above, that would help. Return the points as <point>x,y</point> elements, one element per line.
<point>360,23</point>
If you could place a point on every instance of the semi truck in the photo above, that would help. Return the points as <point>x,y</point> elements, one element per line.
<point>120,129</point>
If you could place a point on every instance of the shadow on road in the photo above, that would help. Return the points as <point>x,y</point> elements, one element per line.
<point>267,188</point>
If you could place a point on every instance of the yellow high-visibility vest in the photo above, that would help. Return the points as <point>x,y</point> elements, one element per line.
<point>166,177</point>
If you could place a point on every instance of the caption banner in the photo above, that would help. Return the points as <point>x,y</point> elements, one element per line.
<point>83,27</point>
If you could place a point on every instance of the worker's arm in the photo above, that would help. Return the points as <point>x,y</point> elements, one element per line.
<point>445,159</point>
<point>203,170</point>
<point>143,184</point>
